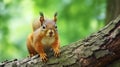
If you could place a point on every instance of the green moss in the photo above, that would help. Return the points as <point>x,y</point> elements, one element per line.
<point>101,53</point>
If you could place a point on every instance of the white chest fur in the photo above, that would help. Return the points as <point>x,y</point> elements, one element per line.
<point>47,40</point>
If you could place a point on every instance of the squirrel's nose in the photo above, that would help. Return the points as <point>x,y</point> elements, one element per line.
<point>51,32</point>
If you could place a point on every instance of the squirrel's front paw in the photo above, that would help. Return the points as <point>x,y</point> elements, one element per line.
<point>56,52</point>
<point>43,57</point>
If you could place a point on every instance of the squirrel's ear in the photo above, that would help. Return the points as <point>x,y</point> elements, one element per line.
<point>55,17</point>
<point>41,18</point>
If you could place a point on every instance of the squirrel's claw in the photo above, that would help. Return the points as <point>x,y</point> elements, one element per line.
<point>56,52</point>
<point>43,57</point>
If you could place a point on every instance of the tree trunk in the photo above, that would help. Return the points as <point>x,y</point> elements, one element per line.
<point>98,50</point>
<point>113,10</point>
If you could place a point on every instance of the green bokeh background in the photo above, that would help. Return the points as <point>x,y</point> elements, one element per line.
<point>77,19</point>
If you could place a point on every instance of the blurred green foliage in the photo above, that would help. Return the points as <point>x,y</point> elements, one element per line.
<point>77,19</point>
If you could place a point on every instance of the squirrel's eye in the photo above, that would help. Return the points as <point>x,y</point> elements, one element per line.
<point>55,26</point>
<point>43,27</point>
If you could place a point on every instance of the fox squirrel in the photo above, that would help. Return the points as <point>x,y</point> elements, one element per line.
<point>44,35</point>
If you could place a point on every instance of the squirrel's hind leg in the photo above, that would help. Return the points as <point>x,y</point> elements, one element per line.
<point>31,50</point>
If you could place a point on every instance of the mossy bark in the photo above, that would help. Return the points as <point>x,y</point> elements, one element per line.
<point>98,50</point>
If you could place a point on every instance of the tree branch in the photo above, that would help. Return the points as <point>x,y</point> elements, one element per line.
<point>98,50</point>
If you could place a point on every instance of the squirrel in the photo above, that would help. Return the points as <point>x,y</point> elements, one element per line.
<point>44,35</point>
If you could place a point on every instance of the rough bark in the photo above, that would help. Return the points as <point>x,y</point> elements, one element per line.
<point>98,50</point>
<point>113,10</point>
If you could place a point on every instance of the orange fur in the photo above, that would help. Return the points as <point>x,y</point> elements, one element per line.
<point>36,41</point>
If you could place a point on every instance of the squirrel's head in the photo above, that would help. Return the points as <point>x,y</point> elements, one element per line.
<point>49,27</point>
